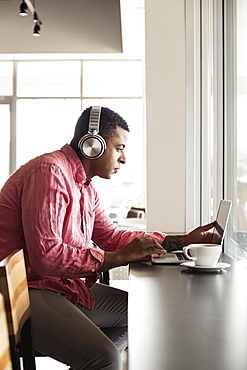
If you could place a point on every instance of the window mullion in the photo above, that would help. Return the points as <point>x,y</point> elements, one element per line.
<point>218,106</point>
<point>13,124</point>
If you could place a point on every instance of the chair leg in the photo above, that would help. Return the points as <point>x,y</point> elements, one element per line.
<point>15,357</point>
<point>105,278</point>
<point>27,346</point>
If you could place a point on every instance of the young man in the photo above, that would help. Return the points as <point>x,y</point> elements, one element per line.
<point>50,209</point>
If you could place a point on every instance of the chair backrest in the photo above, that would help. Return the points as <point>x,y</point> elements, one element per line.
<point>13,286</point>
<point>5,360</point>
<point>136,212</point>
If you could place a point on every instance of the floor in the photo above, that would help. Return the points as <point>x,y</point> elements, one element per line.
<point>46,363</point>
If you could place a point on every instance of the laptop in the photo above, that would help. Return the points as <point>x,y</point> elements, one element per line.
<point>218,234</point>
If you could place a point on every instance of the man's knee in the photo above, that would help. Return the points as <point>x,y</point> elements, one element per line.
<point>103,356</point>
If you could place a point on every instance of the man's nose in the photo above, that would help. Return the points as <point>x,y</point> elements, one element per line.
<point>122,158</point>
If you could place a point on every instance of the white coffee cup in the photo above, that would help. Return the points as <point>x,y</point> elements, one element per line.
<point>203,254</point>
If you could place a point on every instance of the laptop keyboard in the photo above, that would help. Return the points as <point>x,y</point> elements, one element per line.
<point>181,256</point>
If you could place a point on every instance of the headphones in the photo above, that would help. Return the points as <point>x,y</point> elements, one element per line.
<point>92,145</point>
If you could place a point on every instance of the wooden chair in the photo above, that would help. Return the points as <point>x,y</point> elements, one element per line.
<point>13,286</point>
<point>5,360</point>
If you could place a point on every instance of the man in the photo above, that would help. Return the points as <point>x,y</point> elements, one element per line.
<point>50,209</point>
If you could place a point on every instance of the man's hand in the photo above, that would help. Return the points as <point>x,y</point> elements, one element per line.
<point>133,251</point>
<point>199,235</point>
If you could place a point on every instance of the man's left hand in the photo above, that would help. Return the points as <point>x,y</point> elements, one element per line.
<point>201,234</point>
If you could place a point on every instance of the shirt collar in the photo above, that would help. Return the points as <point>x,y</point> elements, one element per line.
<point>76,165</point>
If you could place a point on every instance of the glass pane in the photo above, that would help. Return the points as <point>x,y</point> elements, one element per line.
<point>4,142</point>
<point>49,79</point>
<point>6,78</point>
<point>240,203</point>
<point>237,132</point>
<point>127,188</point>
<point>44,125</point>
<point>112,79</point>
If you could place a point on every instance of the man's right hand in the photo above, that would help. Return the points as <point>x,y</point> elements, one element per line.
<point>133,251</point>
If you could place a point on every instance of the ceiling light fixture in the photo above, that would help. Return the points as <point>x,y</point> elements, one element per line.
<point>23,8</point>
<point>36,29</point>
<point>35,17</point>
<point>25,5</point>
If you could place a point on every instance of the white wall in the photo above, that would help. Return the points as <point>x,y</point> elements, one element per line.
<point>165,105</point>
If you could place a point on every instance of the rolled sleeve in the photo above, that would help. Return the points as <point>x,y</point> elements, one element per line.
<point>96,262</point>
<point>98,259</point>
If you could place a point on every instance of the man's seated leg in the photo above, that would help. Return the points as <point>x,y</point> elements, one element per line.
<point>110,313</point>
<point>64,333</point>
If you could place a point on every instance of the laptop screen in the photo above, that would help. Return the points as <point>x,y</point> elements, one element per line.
<point>221,221</point>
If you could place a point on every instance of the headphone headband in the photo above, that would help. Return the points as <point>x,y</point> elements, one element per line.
<point>94,120</point>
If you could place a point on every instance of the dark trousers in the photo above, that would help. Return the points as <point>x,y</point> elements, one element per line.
<point>81,338</point>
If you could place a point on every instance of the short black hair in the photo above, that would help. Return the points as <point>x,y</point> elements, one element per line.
<point>109,121</point>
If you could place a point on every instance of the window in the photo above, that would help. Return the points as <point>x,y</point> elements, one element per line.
<point>235,124</point>
<point>204,40</point>
<point>219,76</point>
<point>6,78</point>
<point>63,79</point>
<point>4,142</point>
<point>44,125</point>
<point>103,78</point>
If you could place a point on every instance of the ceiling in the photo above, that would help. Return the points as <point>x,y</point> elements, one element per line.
<point>74,26</point>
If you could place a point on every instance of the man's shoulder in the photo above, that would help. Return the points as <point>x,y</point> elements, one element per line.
<point>55,161</point>
<point>47,159</point>
<point>59,163</point>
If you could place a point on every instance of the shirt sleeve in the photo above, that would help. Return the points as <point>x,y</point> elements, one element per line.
<point>110,238</point>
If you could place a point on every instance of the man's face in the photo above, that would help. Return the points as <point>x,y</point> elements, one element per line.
<point>109,163</point>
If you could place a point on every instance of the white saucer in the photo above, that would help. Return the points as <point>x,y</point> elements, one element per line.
<point>218,267</point>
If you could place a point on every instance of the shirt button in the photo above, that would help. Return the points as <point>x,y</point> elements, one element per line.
<point>93,270</point>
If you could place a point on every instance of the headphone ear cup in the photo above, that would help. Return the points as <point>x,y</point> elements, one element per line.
<point>92,146</point>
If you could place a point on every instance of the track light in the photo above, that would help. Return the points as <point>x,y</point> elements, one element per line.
<point>28,4</point>
<point>23,8</point>
<point>35,17</point>
<point>36,29</point>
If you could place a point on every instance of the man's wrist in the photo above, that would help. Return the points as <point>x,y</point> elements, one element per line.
<point>184,240</point>
<point>111,260</point>
<point>173,242</point>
